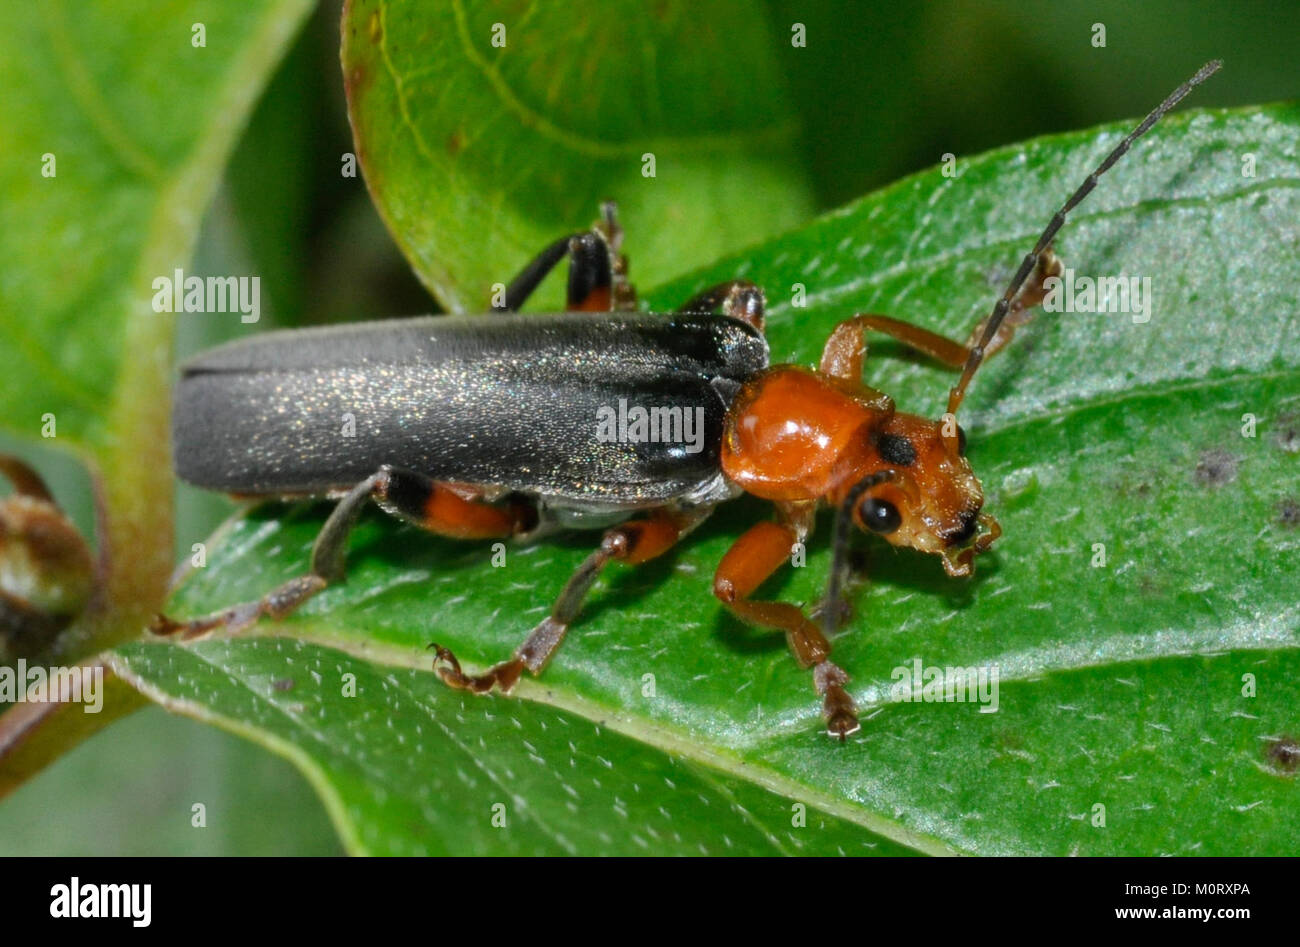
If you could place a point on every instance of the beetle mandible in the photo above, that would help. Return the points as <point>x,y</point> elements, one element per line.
<point>487,427</point>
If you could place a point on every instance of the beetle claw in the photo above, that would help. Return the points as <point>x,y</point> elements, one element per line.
<point>165,627</point>
<point>503,676</point>
<point>161,625</point>
<point>843,725</point>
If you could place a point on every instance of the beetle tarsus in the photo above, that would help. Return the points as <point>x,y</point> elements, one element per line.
<point>277,604</point>
<point>531,656</point>
<point>503,676</point>
<point>165,627</point>
<point>1031,295</point>
<point>837,706</point>
<point>738,298</point>
<point>282,601</point>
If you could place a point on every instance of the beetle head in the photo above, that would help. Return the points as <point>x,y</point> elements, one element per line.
<point>923,495</point>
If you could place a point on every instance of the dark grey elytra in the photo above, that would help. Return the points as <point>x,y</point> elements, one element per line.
<point>508,401</point>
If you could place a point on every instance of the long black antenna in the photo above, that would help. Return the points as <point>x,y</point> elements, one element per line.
<point>976,356</point>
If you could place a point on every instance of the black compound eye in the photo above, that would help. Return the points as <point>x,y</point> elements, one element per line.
<point>896,450</point>
<point>879,516</point>
<point>961,440</point>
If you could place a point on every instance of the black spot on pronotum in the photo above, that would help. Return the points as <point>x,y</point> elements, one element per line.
<point>1284,754</point>
<point>896,450</point>
<point>1288,513</point>
<point>283,684</point>
<point>1215,468</point>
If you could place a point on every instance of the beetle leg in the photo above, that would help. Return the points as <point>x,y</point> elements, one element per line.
<point>845,349</point>
<point>590,275</point>
<point>522,286</point>
<point>738,298</point>
<point>632,543</point>
<point>597,271</point>
<point>751,560</point>
<point>434,506</point>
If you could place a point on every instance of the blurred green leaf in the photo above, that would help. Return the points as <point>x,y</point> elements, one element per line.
<point>478,155</point>
<point>1153,686</point>
<point>132,791</point>
<point>111,154</point>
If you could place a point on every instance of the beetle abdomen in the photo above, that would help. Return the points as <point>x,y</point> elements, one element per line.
<point>619,409</point>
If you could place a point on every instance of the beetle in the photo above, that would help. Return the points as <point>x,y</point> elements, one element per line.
<point>490,427</point>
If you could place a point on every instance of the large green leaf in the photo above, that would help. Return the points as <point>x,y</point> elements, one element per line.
<point>406,767</point>
<point>483,136</point>
<point>1155,685</point>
